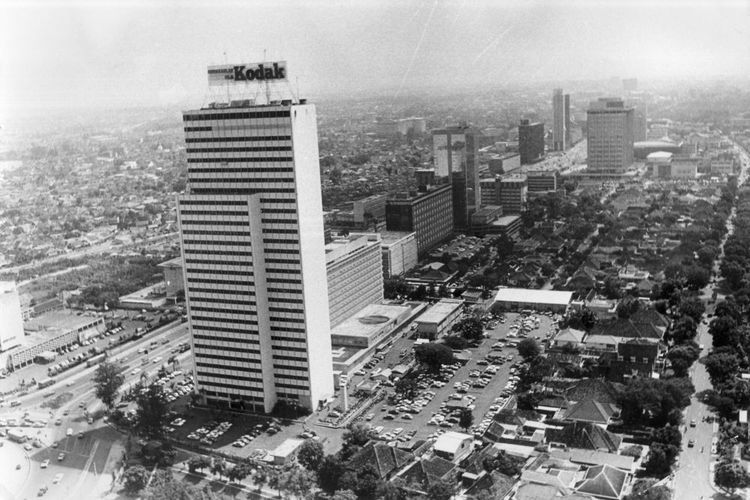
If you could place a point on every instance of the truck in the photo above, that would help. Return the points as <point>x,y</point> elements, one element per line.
<point>95,360</point>
<point>17,435</point>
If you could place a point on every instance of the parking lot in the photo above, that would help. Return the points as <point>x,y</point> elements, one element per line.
<point>436,406</point>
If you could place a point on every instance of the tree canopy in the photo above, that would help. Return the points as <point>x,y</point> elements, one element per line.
<point>108,379</point>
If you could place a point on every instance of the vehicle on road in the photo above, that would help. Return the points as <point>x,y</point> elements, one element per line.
<point>60,457</point>
<point>691,443</point>
<point>69,432</point>
<point>692,423</point>
<point>44,464</point>
<point>58,478</point>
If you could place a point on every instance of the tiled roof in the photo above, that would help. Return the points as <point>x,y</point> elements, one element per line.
<point>584,435</point>
<point>592,388</point>
<point>428,471</point>
<point>386,459</point>
<point>591,411</point>
<point>603,481</point>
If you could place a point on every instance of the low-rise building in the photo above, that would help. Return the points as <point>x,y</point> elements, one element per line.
<point>399,250</point>
<point>538,300</point>
<point>439,319</point>
<point>453,446</point>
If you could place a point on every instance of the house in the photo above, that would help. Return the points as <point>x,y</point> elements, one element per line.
<point>570,337</point>
<point>498,484</point>
<point>592,411</point>
<point>426,472</point>
<point>603,482</point>
<point>635,357</point>
<point>386,460</point>
<point>453,446</point>
<point>584,435</point>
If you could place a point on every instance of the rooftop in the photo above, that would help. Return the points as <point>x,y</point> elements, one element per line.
<point>451,442</point>
<point>440,310</point>
<point>370,320</point>
<point>533,296</point>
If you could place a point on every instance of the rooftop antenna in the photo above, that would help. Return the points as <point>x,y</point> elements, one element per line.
<point>268,86</point>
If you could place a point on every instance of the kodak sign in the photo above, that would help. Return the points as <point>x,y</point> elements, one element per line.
<point>246,73</point>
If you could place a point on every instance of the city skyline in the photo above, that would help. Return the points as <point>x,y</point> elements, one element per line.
<point>135,53</point>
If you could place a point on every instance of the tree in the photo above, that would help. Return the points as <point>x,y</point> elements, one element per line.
<point>469,328</point>
<point>669,435</point>
<point>219,467</point>
<point>406,387</point>
<point>503,463</point>
<point>696,277</point>
<point>260,477</point>
<point>364,482</point>
<point>151,412</point>
<point>134,479</point>
<point>433,355</point>
<point>692,307</point>
<point>583,319</point>
<point>329,473</point>
<point>723,330</point>
<point>455,342</point>
<point>534,372</point>
<point>504,246</point>
<point>730,475</point>
<point>465,418</point>
<point>683,330</point>
<point>108,379</point>
<point>627,307</point>
<point>660,459</point>
<point>344,495</point>
<point>441,490</point>
<point>310,454</point>
<point>198,462</point>
<point>644,489</point>
<point>356,436</point>
<point>657,402</point>
<point>682,358</point>
<point>273,476</point>
<point>163,486</point>
<point>733,272</point>
<point>395,287</point>
<point>529,349</point>
<point>729,308</point>
<point>706,256</point>
<point>721,367</point>
<point>297,481</point>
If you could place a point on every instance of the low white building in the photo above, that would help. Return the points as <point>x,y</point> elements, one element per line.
<point>453,446</point>
<point>439,319</point>
<point>538,300</point>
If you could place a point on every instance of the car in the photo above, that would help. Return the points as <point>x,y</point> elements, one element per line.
<point>58,421</point>
<point>58,478</point>
<point>55,444</point>
<point>44,464</point>
<point>80,434</point>
<point>69,432</point>
<point>370,416</point>
<point>61,457</point>
<point>692,423</point>
<point>89,420</point>
<point>42,491</point>
<point>691,443</point>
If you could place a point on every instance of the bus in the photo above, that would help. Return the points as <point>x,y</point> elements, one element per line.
<point>46,383</point>
<point>95,360</point>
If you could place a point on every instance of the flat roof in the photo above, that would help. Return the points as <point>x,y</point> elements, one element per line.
<point>176,262</point>
<point>60,320</point>
<point>440,310</point>
<point>506,220</point>
<point>288,447</point>
<point>451,441</point>
<point>531,296</point>
<point>391,237</point>
<point>369,320</point>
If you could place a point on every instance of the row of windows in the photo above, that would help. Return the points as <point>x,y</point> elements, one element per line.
<point>282,280</point>
<point>235,180</point>
<point>214,261</point>
<point>284,290</point>
<point>226,272</point>
<point>279,231</point>
<point>241,192</point>
<point>200,251</point>
<point>209,281</point>
<point>238,149</point>
<point>286,320</point>
<point>216,233</point>
<point>283,271</point>
<point>234,203</point>
<point>236,321</point>
<point>222,222</point>
<point>228,367</point>
<point>218,243</point>
<point>223,357</point>
<point>288,377</point>
<point>244,115</point>
<point>288,339</point>
<point>232,377</point>
<point>249,138</point>
<point>193,289</point>
<point>217,310</point>
<point>274,251</point>
<point>239,170</point>
<point>288,386</point>
<point>289,301</point>
<point>223,213</point>
<point>222,329</point>
<point>291,367</point>
<point>282,261</point>
<point>290,358</point>
<point>244,340</point>
<point>244,159</point>
<point>279,221</point>
<point>224,395</point>
<point>282,242</point>
<point>286,329</point>
<point>215,300</point>
<point>198,129</point>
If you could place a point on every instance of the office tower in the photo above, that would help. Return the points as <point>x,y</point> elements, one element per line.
<point>251,230</point>
<point>429,214</point>
<point>560,120</point>
<point>424,177</point>
<point>489,190</point>
<point>369,208</point>
<point>354,267</point>
<point>399,250</point>
<point>530,141</point>
<point>513,193</point>
<point>11,318</point>
<point>455,154</point>
<point>610,136</point>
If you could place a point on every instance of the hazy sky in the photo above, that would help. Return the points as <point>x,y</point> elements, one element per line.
<point>130,52</point>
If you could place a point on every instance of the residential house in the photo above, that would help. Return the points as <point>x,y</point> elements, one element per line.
<point>386,460</point>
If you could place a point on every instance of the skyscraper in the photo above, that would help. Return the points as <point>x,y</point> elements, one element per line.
<point>610,136</point>
<point>560,120</point>
<point>251,230</point>
<point>455,152</point>
<point>530,141</point>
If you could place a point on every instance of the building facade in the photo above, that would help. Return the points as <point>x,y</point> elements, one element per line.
<point>513,193</point>
<point>399,250</point>
<point>530,141</point>
<point>540,181</point>
<point>354,266</point>
<point>11,317</point>
<point>251,230</point>
<point>560,120</point>
<point>610,137</point>
<point>455,151</point>
<point>428,214</point>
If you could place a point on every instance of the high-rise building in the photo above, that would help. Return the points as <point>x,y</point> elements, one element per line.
<point>543,180</point>
<point>530,141</point>
<point>455,151</point>
<point>560,120</point>
<point>354,267</point>
<point>489,189</point>
<point>429,214</point>
<point>251,231</point>
<point>610,136</point>
<point>11,319</point>
<point>513,193</point>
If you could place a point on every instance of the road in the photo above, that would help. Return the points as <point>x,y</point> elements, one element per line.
<point>693,475</point>
<point>87,456</point>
